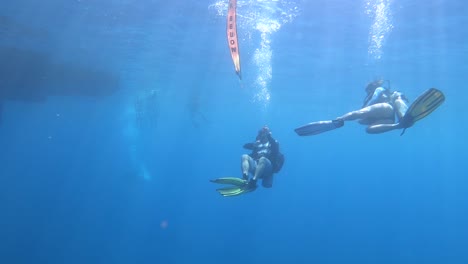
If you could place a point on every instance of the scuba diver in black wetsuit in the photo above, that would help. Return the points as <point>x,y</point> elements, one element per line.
<point>264,160</point>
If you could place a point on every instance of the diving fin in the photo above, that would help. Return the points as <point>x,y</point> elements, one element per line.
<point>425,104</point>
<point>240,186</point>
<point>230,180</point>
<point>315,128</point>
<point>234,191</point>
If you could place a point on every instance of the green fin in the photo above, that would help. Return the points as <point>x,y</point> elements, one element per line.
<point>315,128</point>
<point>238,186</point>
<point>234,191</point>
<point>425,104</point>
<point>230,180</point>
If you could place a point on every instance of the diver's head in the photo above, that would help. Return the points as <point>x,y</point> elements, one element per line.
<point>370,88</point>
<point>264,134</point>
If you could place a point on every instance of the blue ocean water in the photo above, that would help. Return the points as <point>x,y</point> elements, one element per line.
<point>110,162</point>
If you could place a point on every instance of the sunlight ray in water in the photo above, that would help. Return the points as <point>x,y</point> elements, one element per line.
<point>379,11</point>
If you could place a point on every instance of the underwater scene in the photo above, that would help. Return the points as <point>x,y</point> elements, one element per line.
<point>233,131</point>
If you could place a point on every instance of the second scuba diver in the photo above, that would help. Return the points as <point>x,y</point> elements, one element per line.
<point>383,110</point>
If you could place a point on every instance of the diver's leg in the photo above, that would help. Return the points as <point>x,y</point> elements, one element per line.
<point>267,180</point>
<point>263,169</point>
<point>247,165</point>
<point>373,112</point>
<point>400,107</point>
<point>381,128</point>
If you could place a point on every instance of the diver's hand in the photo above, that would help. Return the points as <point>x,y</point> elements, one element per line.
<point>249,146</point>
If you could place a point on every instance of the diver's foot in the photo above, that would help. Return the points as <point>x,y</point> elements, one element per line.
<point>252,184</point>
<point>245,176</point>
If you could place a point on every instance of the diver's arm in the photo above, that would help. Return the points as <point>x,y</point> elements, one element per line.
<point>277,158</point>
<point>274,146</point>
<point>249,146</point>
<point>274,150</point>
<point>377,94</point>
